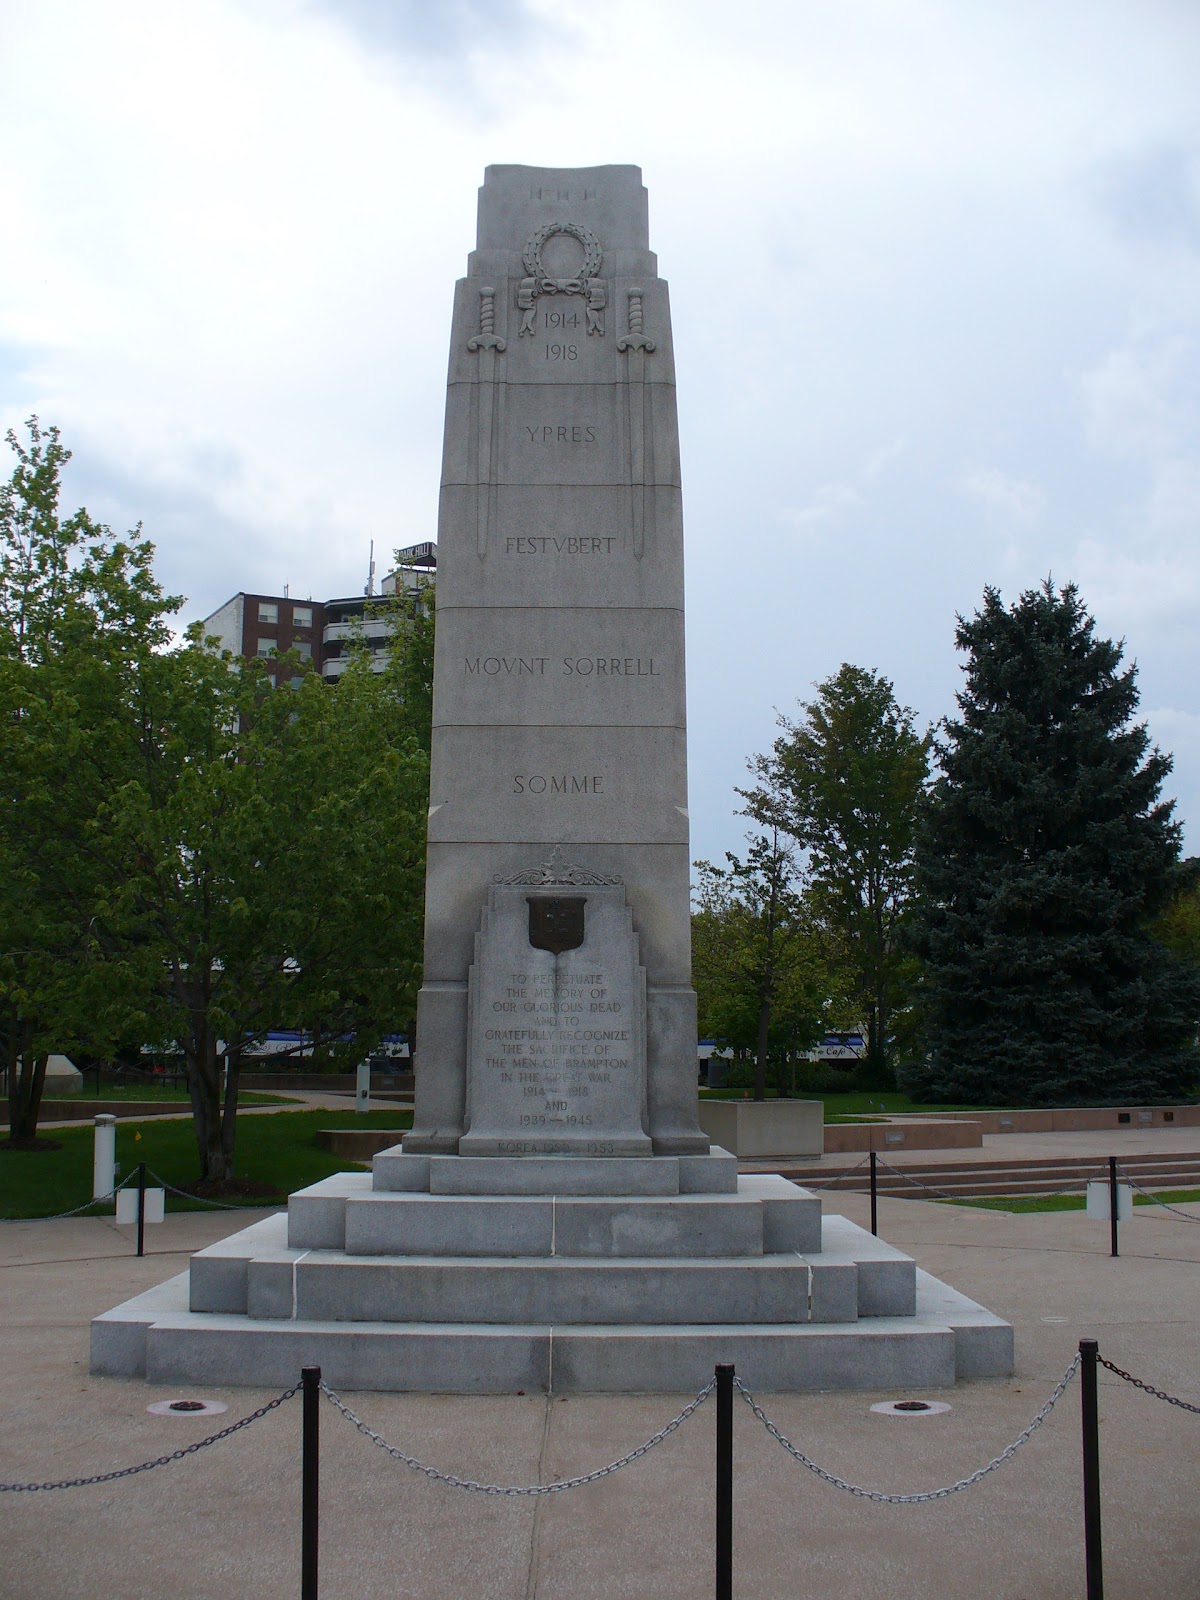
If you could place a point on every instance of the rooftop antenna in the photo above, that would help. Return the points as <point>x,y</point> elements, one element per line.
<point>370,589</point>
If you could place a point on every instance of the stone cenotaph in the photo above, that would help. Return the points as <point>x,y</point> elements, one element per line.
<point>546,1023</point>
<point>556,1220</point>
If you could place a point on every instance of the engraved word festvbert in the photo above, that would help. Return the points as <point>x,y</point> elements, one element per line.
<point>567,544</point>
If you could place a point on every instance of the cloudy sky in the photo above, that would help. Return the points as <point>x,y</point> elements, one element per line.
<point>934,269</point>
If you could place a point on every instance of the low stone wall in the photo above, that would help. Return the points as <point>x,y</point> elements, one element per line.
<point>1079,1119</point>
<point>913,1133</point>
<point>752,1129</point>
<point>85,1110</point>
<point>322,1082</point>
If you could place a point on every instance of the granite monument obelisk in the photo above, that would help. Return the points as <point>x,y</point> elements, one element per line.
<point>557,1014</point>
<point>556,1221</point>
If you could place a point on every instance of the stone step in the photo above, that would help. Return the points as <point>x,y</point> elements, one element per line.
<point>766,1214</point>
<point>331,1287</point>
<point>155,1336</point>
<point>714,1173</point>
<point>886,1278</point>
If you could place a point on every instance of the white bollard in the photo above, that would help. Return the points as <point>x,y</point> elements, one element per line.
<point>104,1157</point>
<point>362,1088</point>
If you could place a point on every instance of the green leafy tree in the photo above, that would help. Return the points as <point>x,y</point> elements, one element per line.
<point>80,615</point>
<point>758,978</point>
<point>1046,850</point>
<point>1177,926</point>
<point>845,780</point>
<point>275,842</point>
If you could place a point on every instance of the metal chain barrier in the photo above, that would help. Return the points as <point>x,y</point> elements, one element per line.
<point>1148,1388</point>
<point>514,1490</point>
<point>836,1178</point>
<point>1050,1194</point>
<point>96,1200</point>
<point>202,1200</point>
<point>928,1494</point>
<point>1185,1215</point>
<point>159,1461</point>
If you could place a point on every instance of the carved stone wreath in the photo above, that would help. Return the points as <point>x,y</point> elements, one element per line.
<point>592,254</point>
<point>555,872</point>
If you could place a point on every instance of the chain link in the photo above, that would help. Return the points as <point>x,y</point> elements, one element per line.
<point>927,1494</point>
<point>835,1178</point>
<point>514,1490</point>
<point>1147,1388</point>
<point>1049,1194</point>
<point>96,1200</point>
<point>1187,1216</point>
<point>159,1461</point>
<point>202,1200</point>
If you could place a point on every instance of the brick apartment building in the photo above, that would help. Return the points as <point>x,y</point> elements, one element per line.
<point>321,631</point>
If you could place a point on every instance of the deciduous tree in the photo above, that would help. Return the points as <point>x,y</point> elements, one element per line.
<point>758,977</point>
<point>845,781</point>
<point>80,615</point>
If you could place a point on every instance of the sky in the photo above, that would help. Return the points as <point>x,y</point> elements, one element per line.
<point>934,278</point>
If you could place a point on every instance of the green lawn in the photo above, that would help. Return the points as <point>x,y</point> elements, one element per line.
<point>279,1151</point>
<point>1065,1202</point>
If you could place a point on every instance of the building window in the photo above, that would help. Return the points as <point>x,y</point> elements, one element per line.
<point>267,647</point>
<point>302,616</point>
<point>303,648</point>
<point>268,611</point>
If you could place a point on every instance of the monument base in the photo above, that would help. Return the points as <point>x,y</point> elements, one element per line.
<point>566,1274</point>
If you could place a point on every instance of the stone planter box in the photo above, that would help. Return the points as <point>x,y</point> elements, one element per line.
<point>754,1129</point>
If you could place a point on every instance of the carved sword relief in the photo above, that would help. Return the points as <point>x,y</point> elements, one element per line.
<point>487,345</point>
<point>639,422</point>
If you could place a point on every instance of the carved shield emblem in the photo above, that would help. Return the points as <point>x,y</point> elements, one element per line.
<point>556,922</point>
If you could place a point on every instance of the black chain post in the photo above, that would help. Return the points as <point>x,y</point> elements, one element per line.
<point>874,1197</point>
<point>724,1376</point>
<point>1090,1409</point>
<point>141,1208</point>
<point>1112,1203</point>
<point>310,1453</point>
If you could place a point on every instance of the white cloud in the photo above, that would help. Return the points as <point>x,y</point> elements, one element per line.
<point>1011,499</point>
<point>829,502</point>
<point>899,240</point>
<point>885,456</point>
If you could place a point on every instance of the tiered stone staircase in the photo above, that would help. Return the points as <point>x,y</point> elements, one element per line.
<point>492,1275</point>
<point>998,1178</point>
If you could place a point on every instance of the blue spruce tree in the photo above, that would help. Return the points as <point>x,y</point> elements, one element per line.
<point>1045,850</point>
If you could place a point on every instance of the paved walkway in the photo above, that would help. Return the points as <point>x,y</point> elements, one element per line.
<point>226,1520</point>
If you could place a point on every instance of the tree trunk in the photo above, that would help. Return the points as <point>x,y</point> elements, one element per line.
<point>26,1080</point>
<point>204,1088</point>
<point>760,1059</point>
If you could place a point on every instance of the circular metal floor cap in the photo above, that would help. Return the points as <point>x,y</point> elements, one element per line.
<point>911,1408</point>
<point>187,1408</point>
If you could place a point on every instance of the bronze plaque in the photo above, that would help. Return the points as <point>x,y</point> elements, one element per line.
<point>556,922</point>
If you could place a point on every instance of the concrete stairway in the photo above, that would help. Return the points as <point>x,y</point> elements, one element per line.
<point>965,1180</point>
<point>634,1275</point>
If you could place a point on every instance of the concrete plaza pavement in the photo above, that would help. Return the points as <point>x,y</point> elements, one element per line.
<point>226,1520</point>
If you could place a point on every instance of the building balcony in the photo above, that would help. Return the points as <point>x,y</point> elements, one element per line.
<point>367,628</point>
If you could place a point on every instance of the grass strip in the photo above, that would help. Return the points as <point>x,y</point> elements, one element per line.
<point>279,1152</point>
<point>1063,1202</point>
